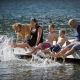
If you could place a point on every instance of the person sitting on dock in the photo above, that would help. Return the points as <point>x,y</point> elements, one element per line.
<point>49,42</point>
<point>75,45</point>
<point>61,40</point>
<point>35,37</point>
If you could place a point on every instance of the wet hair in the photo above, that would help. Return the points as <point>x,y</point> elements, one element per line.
<point>34,20</point>
<point>62,31</point>
<point>52,25</point>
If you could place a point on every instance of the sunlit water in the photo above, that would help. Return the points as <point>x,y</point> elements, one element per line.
<point>46,12</point>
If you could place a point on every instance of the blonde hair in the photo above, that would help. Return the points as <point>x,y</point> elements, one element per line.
<point>62,31</point>
<point>52,25</point>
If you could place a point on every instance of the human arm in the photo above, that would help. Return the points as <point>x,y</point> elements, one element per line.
<point>67,41</point>
<point>38,36</point>
<point>56,37</point>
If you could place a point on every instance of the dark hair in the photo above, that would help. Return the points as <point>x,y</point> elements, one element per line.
<point>34,20</point>
<point>52,25</point>
<point>62,31</point>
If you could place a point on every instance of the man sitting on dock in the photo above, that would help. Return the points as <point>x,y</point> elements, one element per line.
<point>75,45</point>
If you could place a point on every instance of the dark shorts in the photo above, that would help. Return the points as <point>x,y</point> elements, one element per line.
<point>56,48</point>
<point>75,45</point>
<point>45,45</point>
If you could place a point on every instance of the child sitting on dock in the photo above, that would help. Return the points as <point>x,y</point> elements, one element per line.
<point>61,40</point>
<point>48,43</point>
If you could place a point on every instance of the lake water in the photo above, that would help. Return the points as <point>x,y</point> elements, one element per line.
<point>46,12</point>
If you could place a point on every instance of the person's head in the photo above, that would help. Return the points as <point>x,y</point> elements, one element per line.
<point>72,23</point>
<point>33,22</point>
<point>51,27</point>
<point>62,33</point>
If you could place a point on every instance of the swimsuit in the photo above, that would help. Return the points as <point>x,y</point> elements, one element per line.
<point>33,39</point>
<point>75,45</point>
<point>56,48</point>
<point>45,45</point>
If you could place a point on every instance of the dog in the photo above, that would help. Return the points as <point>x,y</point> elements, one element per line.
<point>22,30</point>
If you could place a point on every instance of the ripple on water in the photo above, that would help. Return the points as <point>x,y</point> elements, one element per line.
<point>57,12</point>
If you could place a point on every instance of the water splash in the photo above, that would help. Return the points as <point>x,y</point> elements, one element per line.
<point>6,52</point>
<point>38,62</point>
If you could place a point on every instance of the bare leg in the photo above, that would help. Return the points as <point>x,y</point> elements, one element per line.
<point>70,52</point>
<point>46,50</point>
<point>52,55</point>
<point>34,49</point>
<point>12,44</point>
<point>63,51</point>
<point>21,45</point>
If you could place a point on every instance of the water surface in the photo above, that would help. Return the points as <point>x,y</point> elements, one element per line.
<point>46,12</point>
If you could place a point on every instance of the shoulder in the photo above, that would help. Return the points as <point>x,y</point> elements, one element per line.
<point>39,26</point>
<point>54,34</point>
<point>40,29</point>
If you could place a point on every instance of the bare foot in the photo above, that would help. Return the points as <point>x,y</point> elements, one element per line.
<point>12,44</point>
<point>53,55</point>
<point>63,57</point>
<point>29,53</point>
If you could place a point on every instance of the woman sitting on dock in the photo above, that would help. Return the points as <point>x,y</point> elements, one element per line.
<point>35,38</point>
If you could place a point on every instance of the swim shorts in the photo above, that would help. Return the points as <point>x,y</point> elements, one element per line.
<point>56,48</point>
<point>75,45</point>
<point>45,45</point>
